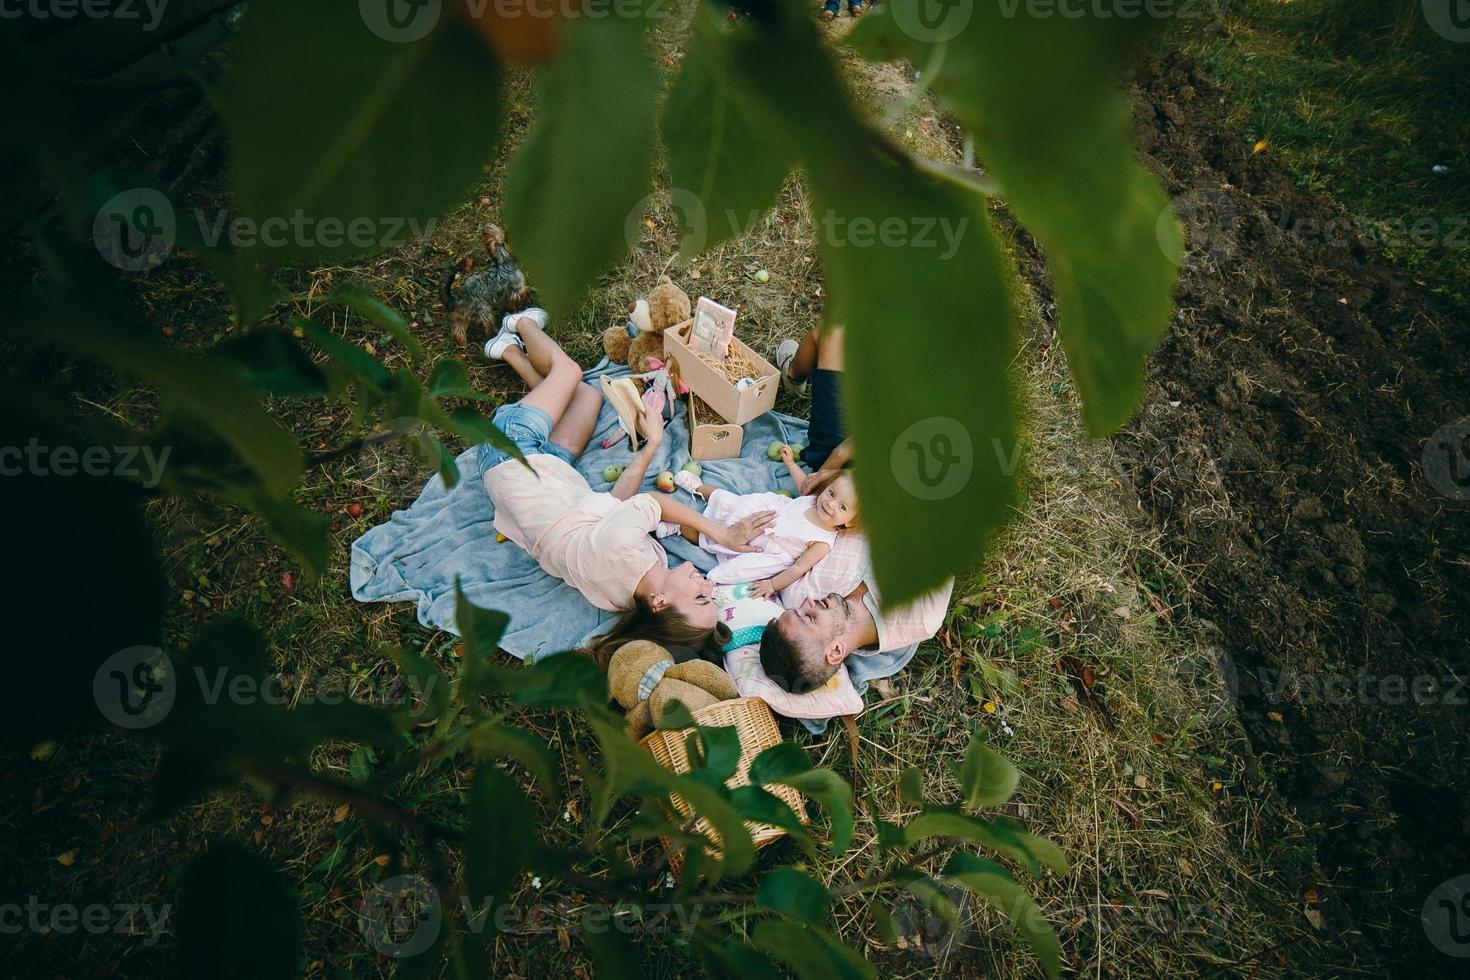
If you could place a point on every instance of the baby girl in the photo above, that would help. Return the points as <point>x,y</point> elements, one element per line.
<point>802,534</point>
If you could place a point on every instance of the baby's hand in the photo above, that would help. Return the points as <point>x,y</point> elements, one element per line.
<point>786,456</point>
<point>762,589</point>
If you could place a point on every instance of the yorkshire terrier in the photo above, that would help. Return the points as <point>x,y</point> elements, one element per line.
<point>485,296</point>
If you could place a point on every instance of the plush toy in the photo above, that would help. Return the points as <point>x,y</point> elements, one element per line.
<point>668,306</point>
<point>643,677</point>
<point>617,340</point>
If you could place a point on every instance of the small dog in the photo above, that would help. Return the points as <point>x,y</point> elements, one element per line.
<point>485,296</point>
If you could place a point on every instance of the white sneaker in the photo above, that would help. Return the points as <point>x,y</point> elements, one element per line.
<point>497,345</point>
<point>666,529</point>
<point>685,480</point>
<point>785,354</point>
<point>536,313</point>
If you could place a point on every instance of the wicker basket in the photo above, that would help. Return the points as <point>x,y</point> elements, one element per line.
<point>753,722</point>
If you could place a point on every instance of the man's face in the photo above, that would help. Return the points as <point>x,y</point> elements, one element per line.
<point>818,623</point>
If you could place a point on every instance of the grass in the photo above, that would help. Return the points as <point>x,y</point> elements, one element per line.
<point>1364,108</point>
<point>1142,778</point>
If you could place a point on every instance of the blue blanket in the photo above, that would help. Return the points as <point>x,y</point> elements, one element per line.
<point>449,533</point>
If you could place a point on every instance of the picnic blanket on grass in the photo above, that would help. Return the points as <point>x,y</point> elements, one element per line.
<point>448,533</point>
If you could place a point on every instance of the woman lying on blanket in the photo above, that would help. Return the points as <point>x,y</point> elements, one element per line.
<point>599,543</point>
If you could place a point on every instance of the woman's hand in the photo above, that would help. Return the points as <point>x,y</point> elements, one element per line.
<point>652,424</point>
<point>762,589</point>
<point>737,536</point>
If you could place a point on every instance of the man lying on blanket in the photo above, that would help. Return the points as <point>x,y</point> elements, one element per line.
<point>791,653</point>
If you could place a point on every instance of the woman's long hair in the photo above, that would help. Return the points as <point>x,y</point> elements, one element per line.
<point>669,629</point>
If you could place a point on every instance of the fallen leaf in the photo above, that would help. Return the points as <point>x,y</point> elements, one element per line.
<point>1216,787</point>
<point>1133,818</point>
<point>43,751</point>
<point>1054,602</point>
<point>1274,715</point>
<point>68,859</point>
<point>341,813</point>
<point>1141,781</point>
<point>288,581</point>
<point>382,860</point>
<point>1311,895</point>
<point>1185,867</point>
<point>1316,919</point>
<point>1260,147</point>
<point>1155,893</point>
<point>1069,704</point>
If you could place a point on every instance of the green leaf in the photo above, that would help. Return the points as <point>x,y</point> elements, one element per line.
<point>475,429</point>
<point>273,362</point>
<point>717,146</point>
<point>797,895</point>
<point>760,806</point>
<point>787,763</point>
<point>938,422</point>
<point>379,314</point>
<point>450,378</point>
<point>301,532</point>
<point>1000,835</point>
<point>613,954</point>
<point>480,630</point>
<point>575,182</point>
<point>812,953</point>
<point>911,786</point>
<point>986,776</point>
<point>210,393</point>
<point>253,293</point>
<point>991,882</point>
<point>331,122</point>
<point>429,683</point>
<point>496,740</point>
<point>357,361</point>
<point>927,891</point>
<point>780,760</point>
<point>1103,221</point>
<point>500,838</point>
<point>237,917</point>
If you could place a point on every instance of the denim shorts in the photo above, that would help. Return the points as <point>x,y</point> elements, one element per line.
<point>530,429</point>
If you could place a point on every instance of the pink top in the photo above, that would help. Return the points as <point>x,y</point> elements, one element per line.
<point>594,542</point>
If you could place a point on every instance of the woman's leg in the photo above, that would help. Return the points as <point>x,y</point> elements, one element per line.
<point>577,423</point>
<point>522,366</point>
<point>560,374</point>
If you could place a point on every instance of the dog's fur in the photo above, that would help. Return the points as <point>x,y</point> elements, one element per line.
<point>485,296</point>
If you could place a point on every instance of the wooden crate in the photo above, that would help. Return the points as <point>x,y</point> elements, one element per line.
<point>735,405</point>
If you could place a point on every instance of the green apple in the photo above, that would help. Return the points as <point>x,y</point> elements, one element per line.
<point>665,482</point>
<point>762,276</point>
<point>612,472</point>
<point>783,491</point>
<point>693,467</point>
<point>774,452</point>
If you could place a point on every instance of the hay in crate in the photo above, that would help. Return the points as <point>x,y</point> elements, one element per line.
<point>756,726</point>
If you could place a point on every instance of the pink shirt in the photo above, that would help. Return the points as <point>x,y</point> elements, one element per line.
<point>594,542</point>
<point>845,568</point>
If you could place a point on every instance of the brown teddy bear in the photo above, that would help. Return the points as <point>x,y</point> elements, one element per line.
<point>668,306</point>
<point>616,341</point>
<point>643,677</point>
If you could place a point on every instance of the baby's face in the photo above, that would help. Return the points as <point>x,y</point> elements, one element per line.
<point>837,503</point>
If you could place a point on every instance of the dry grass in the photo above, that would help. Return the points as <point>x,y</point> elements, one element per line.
<point>1170,840</point>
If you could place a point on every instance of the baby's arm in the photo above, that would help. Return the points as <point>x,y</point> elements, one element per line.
<point>798,475</point>
<point>814,553</point>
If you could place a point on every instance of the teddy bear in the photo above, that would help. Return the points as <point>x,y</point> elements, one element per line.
<point>666,306</point>
<point>643,677</point>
